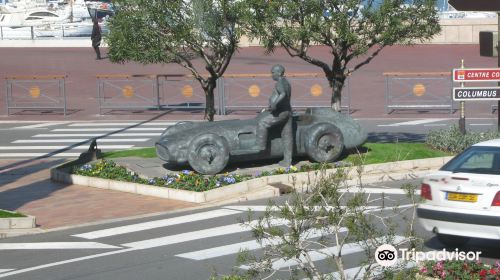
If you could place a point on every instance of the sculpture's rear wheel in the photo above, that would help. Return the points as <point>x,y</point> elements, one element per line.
<point>208,154</point>
<point>324,142</point>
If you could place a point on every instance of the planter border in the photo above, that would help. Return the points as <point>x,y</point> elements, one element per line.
<point>372,173</point>
<point>17,222</point>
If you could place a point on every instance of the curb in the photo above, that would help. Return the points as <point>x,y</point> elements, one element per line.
<point>261,187</point>
<point>21,223</point>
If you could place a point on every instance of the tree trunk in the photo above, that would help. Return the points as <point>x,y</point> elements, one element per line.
<point>210,100</point>
<point>337,84</point>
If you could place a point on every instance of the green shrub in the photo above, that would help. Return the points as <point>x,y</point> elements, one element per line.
<point>452,140</point>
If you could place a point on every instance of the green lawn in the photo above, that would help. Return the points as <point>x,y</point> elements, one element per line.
<point>5,214</point>
<point>370,152</point>
<point>387,152</point>
<point>149,152</point>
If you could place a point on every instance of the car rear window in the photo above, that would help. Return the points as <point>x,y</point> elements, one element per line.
<point>476,159</point>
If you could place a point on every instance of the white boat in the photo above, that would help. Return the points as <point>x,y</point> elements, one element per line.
<point>21,22</point>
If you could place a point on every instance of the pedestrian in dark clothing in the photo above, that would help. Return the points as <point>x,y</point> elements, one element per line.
<point>96,38</point>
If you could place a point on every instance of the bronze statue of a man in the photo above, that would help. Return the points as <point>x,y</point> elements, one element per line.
<point>280,114</point>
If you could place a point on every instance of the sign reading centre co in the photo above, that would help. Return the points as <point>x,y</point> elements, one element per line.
<point>476,75</point>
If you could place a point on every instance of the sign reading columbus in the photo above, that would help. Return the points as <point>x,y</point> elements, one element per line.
<point>476,75</point>
<point>476,93</point>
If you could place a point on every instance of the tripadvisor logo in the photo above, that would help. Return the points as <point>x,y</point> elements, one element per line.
<point>387,255</point>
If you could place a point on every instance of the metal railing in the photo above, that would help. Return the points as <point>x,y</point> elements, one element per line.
<point>48,31</point>
<point>418,91</point>
<point>36,92</point>
<point>233,92</point>
<point>252,91</point>
<point>127,92</point>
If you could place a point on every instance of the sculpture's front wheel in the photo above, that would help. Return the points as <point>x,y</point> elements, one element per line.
<point>208,154</point>
<point>324,142</point>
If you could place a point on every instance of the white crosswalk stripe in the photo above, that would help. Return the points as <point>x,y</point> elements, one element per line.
<point>109,129</point>
<point>82,147</point>
<point>80,140</point>
<point>40,125</point>
<point>195,235</point>
<point>237,247</point>
<point>30,155</point>
<point>157,224</point>
<point>124,124</point>
<point>158,238</point>
<point>416,122</point>
<point>63,136</point>
<point>318,255</point>
<point>55,245</point>
<point>139,134</point>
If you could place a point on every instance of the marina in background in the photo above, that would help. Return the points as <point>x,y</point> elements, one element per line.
<point>52,19</point>
<point>56,19</point>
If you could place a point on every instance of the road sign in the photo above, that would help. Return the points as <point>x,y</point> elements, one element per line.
<point>476,93</point>
<point>476,5</point>
<point>476,75</point>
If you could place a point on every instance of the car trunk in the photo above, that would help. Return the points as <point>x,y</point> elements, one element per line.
<point>464,190</point>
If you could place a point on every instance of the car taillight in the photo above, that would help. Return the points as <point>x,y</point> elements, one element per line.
<point>425,191</point>
<point>496,200</point>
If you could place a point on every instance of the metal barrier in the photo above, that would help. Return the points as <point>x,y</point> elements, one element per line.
<point>233,92</point>
<point>36,92</point>
<point>127,92</point>
<point>184,92</point>
<point>252,91</point>
<point>418,91</point>
<point>150,92</point>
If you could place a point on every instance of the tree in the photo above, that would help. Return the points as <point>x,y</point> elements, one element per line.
<point>149,31</point>
<point>326,222</point>
<point>349,28</point>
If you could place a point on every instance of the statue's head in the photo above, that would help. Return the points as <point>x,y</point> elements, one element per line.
<point>277,71</point>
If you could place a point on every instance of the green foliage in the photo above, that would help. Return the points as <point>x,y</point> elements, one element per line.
<point>349,28</point>
<point>185,180</point>
<point>149,31</point>
<point>5,214</point>
<point>453,141</point>
<point>335,216</point>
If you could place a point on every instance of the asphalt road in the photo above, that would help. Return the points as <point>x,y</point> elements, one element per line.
<point>185,245</point>
<point>69,138</point>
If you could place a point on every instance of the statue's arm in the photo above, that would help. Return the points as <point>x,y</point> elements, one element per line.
<point>279,97</point>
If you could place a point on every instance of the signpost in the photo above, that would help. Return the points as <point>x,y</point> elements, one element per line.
<point>476,93</point>
<point>463,93</point>
<point>476,75</point>
<point>485,6</point>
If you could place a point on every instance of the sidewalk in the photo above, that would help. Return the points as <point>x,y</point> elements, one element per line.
<point>368,83</point>
<point>26,188</point>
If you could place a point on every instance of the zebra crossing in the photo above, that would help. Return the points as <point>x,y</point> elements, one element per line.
<point>69,139</point>
<point>212,236</point>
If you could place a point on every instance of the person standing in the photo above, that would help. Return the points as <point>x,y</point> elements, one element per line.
<point>280,114</point>
<point>96,38</point>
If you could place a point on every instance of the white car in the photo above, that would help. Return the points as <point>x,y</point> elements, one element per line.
<point>462,199</point>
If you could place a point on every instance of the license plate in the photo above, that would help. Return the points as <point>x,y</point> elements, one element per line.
<point>466,197</point>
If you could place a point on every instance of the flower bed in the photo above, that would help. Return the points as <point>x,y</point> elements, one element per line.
<point>459,270</point>
<point>186,179</point>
